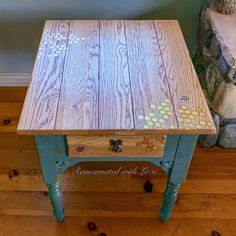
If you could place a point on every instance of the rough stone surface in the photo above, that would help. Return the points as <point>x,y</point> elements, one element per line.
<point>213,79</point>
<point>224,100</point>
<point>227,136</point>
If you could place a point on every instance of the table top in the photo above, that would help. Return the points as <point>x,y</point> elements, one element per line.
<point>114,77</point>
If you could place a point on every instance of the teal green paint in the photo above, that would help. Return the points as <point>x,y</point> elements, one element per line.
<point>169,199</point>
<point>20,32</point>
<point>183,157</point>
<point>175,162</point>
<point>55,194</point>
<point>178,173</point>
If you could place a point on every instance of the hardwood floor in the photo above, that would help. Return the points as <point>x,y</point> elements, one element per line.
<point>118,205</point>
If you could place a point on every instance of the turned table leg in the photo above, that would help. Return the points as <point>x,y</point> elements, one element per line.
<point>55,195</point>
<point>177,173</point>
<point>170,196</point>
<point>46,146</point>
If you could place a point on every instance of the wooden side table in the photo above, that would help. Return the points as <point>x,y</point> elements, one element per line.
<point>114,91</point>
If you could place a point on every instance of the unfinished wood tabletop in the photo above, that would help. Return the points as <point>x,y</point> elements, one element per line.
<point>114,77</point>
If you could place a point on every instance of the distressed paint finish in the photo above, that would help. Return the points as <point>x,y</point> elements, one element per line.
<point>175,162</point>
<point>54,160</point>
<point>183,158</point>
<point>51,150</point>
<point>55,195</point>
<point>178,173</point>
<point>169,199</point>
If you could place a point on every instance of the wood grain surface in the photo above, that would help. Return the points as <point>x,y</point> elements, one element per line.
<point>78,103</point>
<point>106,77</point>
<point>132,146</point>
<point>41,103</point>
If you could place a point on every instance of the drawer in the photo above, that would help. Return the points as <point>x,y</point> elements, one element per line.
<point>116,146</point>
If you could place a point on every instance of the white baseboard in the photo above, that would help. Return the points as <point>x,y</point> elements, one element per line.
<point>15,79</point>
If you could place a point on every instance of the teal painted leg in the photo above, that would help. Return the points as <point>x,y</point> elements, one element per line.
<point>55,195</point>
<point>169,199</point>
<point>177,173</point>
<point>48,154</point>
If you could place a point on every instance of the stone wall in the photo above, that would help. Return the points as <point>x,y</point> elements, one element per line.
<point>216,68</point>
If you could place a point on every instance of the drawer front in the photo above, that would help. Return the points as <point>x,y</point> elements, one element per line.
<point>110,146</point>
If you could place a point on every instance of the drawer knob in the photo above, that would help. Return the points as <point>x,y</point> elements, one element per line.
<point>116,145</point>
<point>80,148</point>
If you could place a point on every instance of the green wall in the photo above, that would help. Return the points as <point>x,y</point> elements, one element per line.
<point>19,35</point>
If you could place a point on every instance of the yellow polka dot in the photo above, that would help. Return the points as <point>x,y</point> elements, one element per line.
<point>202,123</point>
<point>167,108</point>
<point>147,118</point>
<point>165,117</point>
<point>191,117</point>
<point>184,107</point>
<point>202,114</point>
<point>184,115</point>
<point>187,120</point>
<point>154,119</point>
<point>181,111</point>
<point>163,112</point>
<point>150,123</point>
<point>172,126</point>
<point>151,114</point>
<point>159,107</point>
<point>198,109</point>
<point>153,106</point>
<point>186,128</point>
<point>157,124</point>
<point>146,127</point>
<point>199,126</point>
<point>191,126</point>
<point>180,119</point>
<point>169,113</point>
<point>209,124</point>
<point>167,100</point>
<point>163,104</point>
<point>188,112</point>
<point>161,121</point>
<point>195,113</point>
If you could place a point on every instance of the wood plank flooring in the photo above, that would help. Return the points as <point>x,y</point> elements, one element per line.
<point>118,205</point>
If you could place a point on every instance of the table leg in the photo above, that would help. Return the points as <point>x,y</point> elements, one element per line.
<point>178,173</point>
<point>46,146</point>
<point>55,195</point>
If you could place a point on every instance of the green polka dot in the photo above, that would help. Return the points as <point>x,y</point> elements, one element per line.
<point>162,121</point>
<point>154,119</point>
<point>153,106</point>
<point>167,108</point>
<point>172,126</point>
<point>140,117</point>
<point>159,107</point>
<point>150,123</point>
<point>157,124</point>
<point>163,104</point>
<point>147,118</point>
<point>151,114</point>
<point>163,112</point>
<point>165,117</point>
<point>146,126</point>
<point>180,119</point>
<point>167,100</point>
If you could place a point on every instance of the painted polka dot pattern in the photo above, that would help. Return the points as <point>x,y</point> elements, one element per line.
<point>159,114</point>
<point>190,119</point>
<point>53,43</point>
